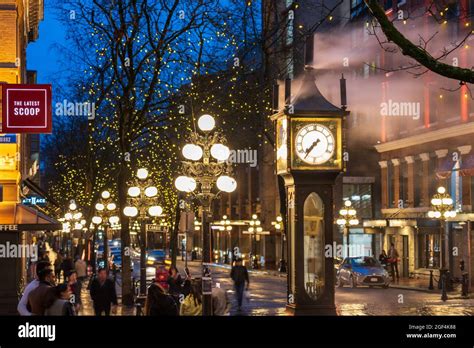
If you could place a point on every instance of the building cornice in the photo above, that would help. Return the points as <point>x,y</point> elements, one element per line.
<point>426,137</point>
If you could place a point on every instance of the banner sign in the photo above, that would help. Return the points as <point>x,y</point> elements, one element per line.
<point>8,139</point>
<point>33,200</point>
<point>26,109</point>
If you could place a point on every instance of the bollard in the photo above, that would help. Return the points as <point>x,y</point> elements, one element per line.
<point>443,278</point>
<point>431,287</point>
<point>465,285</point>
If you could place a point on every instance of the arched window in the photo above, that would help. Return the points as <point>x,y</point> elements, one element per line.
<point>314,246</point>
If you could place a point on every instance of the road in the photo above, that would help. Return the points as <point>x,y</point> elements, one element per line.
<point>268,298</point>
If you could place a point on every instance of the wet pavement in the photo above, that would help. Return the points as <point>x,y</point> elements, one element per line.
<point>268,298</point>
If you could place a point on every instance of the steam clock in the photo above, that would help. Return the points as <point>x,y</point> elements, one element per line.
<point>309,157</point>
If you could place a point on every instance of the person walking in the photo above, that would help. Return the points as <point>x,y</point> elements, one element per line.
<point>159,303</point>
<point>103,293</point>
<point>23,304</point>
<point>240,276</point>
<point>75,287</point>
<point>393,260</point>
<point>192,304</point>
<point>383,258</point>
<point>60,304</point>
<point>67,266</point>
<point>81,269</point>
<point>57,266</point>
<point>175,283</point>
<point>41,296</point>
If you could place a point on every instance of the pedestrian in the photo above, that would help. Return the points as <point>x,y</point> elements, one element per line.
<point>57,266</point>
<point>59,303</point>
<point>192,304</point>
<point>393,260</point>
<point>240,276</point>
<point>159,302</point>
<point>103,293</point>
<point>41,296</point>
<point>67,266</point>
<point>23,304</point>
<point>220,302</point>
<point>175,283</point>
<point>383,258</point>
<point>81,269</point>
<point>75,287</point>
<point>186,288</point>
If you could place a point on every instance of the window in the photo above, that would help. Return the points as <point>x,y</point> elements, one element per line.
<point>361,197</point>
<point>314,266</point>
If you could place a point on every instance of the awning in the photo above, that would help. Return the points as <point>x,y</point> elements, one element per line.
<point>465,166</point>
<point>22,218</point>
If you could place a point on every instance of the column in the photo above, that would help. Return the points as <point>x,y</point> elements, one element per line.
<point>440,154</point>
<point>411,181</point>
<point>396,181</point>
<point>384,183</point>
<point>465,180</point>
<point>425,180</point>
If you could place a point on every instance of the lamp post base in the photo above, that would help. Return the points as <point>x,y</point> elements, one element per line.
<point>294,309</point>
<point>282,266</point>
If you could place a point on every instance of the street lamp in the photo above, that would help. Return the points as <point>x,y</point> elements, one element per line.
<point>74,219</point>
<point>206,166</point>
<point>347,218</point>
<point>106,211</point>
<point>255,230</point>
<point>442,209</point>
<point>279,228</point>
<point>142,205</point>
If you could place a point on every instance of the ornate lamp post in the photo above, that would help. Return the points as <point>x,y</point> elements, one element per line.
<point>206,165</point>
<point>255,230</point>
<point>75,222</point>
<point>441,209</point>
<point>347,218</point>
<point>278,224</point>
<point>106,215</point>
<point>142,200</point>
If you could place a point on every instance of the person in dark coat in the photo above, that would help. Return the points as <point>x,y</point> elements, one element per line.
<point>103,293</point>
<point>39,298</point>
<point>67,266</point>
<point>60,304</point>
<point>175,282</point>
<point>159,303</point>
<point>240,276</point>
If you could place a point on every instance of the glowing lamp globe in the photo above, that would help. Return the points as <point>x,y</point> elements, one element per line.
<point>72,206</point>
<point>105,194</point>
<point>185,183</point>
<point>133,191</point>
<point>96,220</point>
<point>206,123</point>
<point>220,152</point>
<point>155,210</point>
<point>226,183</point>
<point>151,191</point>
<point>68,216</point>
<point>142,173</point>
<point>111,206</point>
<point>77,216</point>
<point>99,206</point>
<point>114,220</point>
<point>192,152</point>
<point>347,203</point>
<point>441,190</point>
<point>130,211</point>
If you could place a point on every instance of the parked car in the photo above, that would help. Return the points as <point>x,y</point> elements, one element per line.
<point>362,270</point>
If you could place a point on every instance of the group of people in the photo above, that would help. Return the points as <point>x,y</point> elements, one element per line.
<point>390,260</point>
<point>56,290</point>
<point>184,296</point>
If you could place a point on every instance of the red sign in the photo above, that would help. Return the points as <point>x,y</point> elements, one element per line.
<point>26,109</point>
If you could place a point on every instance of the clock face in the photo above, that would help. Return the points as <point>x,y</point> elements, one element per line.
<point>314,144</point>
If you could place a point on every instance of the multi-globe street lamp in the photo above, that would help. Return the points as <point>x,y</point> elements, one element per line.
<point>74,222</point>
<point>279,228</point>
<point>106,211</point>
<point>442,209</point>
<point>255,230</point>
<point>142,199</point>
<point>347,218</point>
<point>206,166</point>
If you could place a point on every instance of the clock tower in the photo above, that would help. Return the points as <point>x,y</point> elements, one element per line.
<point>309,158</point>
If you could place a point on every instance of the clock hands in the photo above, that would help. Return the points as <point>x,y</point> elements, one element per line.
<point>309,149</point>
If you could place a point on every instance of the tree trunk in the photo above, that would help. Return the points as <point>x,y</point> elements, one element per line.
<point>127,294</point>
<point>174,235</point>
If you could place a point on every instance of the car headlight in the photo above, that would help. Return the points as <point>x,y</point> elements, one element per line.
<point>151,258</point>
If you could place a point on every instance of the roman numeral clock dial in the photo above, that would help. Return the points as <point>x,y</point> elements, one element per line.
<point>314,144</point>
